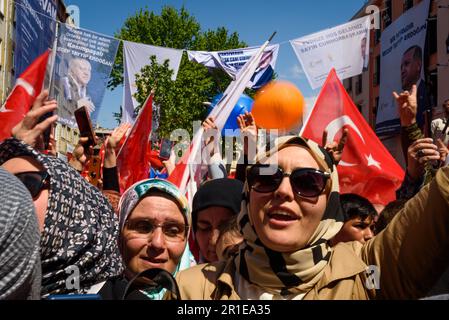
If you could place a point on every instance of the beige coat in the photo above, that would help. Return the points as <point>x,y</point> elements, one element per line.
<point>410,255</point>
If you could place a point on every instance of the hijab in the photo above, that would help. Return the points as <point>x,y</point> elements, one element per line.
<point>80,234</point>
<point>296,272</point>
<point>20,264</point>
<point>139,191</point>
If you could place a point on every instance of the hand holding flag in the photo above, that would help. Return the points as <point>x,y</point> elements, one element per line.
<point>27,89</point>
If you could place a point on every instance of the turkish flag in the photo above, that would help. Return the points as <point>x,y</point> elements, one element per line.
<point>28,86</point>
<point>133,160</point>
<point>367,168</point>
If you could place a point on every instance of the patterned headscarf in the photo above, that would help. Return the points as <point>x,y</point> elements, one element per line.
<point>140,190</point>
<point>296,272</point>
<point>20,263</point>
<point>80,231</point>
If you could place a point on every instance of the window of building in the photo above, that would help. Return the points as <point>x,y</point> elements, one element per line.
<point>447,44</point>
<point>349,88</point>
<point>359,85</point>
<point>376,77</point>
<point>408,4</point>
<point>377,35</point>
<point>388,13</point>
<point>432,35</point>
<point>376,107</point>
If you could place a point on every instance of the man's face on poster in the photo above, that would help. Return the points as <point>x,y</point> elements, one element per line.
<point>266,60</point>
<point>410,69</point>
<point>363,47</point>
<point>81,71</point>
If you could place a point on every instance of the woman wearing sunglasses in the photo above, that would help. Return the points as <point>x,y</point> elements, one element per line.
<point>79,229</point>
<point>154,224</point>
<point>290,213</point>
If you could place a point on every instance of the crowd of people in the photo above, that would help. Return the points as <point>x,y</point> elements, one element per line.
<point>276,230</point>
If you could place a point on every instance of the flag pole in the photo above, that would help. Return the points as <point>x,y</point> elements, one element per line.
<point>137,120</point>
<point>52,60</point>
<point>229,97</point>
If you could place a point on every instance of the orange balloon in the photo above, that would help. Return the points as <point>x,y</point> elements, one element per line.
<point>278,105</point>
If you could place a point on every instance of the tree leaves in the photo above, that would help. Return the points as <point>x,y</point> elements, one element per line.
<point>180,101</point>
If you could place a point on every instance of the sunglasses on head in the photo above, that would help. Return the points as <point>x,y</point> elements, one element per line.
<point>305,182</point>
<point>35,182</point>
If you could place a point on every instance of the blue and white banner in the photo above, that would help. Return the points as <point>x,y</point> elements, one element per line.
<point>83,64</point>
<point>232,62</point>
<point>402,66</point>
<point>135,57</point>
<point>35,31</point>
<point>345,48</point>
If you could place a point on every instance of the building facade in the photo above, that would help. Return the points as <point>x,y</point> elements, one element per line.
<point>7,43</point>
<point>66,137</point>
<point>365,89</point>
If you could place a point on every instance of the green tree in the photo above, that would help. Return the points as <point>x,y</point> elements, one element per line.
<point>180,101</point>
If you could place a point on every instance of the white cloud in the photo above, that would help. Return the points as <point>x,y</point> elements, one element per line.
<point>295,72</point>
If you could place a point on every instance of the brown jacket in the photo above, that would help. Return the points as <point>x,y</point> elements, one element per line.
<point>410,255</point>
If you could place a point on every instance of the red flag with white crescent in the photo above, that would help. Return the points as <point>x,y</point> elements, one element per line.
<point>28,86</point>
<point>367,168</point>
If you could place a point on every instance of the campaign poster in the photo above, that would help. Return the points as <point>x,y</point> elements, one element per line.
<point>344,48</point>
<point>83,64</point>
<point>232,62</point>
<point>402,66</point>
<point>35,31</point>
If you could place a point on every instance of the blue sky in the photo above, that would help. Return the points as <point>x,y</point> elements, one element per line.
<point>254,21</point>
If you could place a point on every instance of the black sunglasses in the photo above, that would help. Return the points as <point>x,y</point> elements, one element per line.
<point>305,182</point>
<point>35,182</point>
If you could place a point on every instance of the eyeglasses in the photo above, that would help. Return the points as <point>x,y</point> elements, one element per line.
<point>144,228</point>
<point>305,182</point>
<point>35,182</point>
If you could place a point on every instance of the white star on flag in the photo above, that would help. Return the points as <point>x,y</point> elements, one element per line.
<point>372,162</point>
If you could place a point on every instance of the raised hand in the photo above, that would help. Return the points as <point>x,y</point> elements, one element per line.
<point>420,153</point>
<point>407,106</point>
<point>112,142</point>
<point>29,130</point>
<point>336,148</point>
<point>443,150</point>
<point>248,128</point>
<point>80,156</point>
<point>211,135</point>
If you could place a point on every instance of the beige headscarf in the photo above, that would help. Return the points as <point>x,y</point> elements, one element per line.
<point>296,272</point>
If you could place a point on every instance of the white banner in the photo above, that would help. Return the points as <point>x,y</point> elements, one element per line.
<point>345,48</point>
<point>135,57</point>
<point>402,66</point>
<point>221,113</point>
<point>232,62</point>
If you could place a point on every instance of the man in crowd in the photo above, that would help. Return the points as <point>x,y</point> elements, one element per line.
<point>440,127</point>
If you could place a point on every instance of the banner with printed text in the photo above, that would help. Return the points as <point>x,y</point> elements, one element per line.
<point>83,64</point>
<point>232,62</point>
<point>35,31</point>
<point>344,48</point>
<point>402,66</point>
